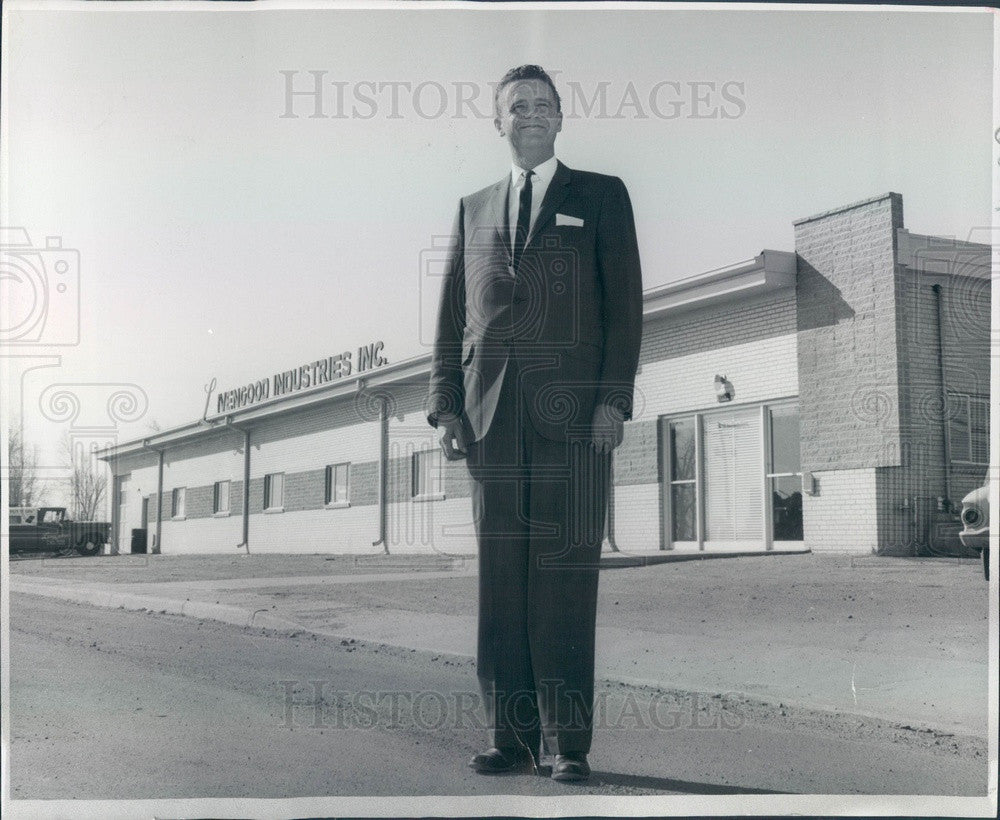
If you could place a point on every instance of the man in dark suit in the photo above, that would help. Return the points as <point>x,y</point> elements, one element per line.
<point>536,349</point>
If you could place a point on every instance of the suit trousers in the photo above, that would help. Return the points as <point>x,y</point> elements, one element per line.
<point>539,508</point>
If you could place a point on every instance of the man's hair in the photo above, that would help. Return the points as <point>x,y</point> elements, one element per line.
<point>524,72</point>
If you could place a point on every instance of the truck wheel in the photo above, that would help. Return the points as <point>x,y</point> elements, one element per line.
<point>986,562</point>
<point>88,545</point>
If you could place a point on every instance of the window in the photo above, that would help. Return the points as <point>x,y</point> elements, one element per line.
<point>177,498</point>
<point>53,516</point>
<point>968,428</point>
<point>785,474</point>
<point>220,501</point>
<point>338,478</point>
<point>274,491</point>
<point>427,473</point>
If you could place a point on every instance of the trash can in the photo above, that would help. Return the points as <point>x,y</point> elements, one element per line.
<point>138,541</point>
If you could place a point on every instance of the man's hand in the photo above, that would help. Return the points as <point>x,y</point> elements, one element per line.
<point>607,428</point>
<point>452,429</point>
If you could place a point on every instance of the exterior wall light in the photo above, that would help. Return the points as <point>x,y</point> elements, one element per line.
<point>724,390</point>
<point>810,483</point>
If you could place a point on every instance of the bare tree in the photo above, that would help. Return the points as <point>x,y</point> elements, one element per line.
<point>24,487</point>
<point>88,480</point>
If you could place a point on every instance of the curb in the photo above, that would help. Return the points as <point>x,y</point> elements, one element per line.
<point>616,560</point>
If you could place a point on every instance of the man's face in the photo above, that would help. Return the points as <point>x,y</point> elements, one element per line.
<point>529,118</point>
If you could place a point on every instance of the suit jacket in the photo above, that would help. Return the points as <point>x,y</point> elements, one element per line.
<point>571,314</point>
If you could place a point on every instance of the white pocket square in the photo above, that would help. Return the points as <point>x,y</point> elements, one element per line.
<point>566,219</point>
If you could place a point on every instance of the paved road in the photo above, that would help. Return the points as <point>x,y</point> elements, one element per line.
<point>110,704</point>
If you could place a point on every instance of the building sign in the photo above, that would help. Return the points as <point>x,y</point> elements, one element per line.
<point>303,377</point>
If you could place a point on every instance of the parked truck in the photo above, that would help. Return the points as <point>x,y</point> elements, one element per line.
<point>48,529</point>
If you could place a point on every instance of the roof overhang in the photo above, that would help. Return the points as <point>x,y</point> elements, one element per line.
<point>767,271</point>
<point>404,371</point>
<point>944,255</point>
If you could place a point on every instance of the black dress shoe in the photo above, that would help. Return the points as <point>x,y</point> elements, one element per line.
<point>570,766</point>
<point>498,761</point>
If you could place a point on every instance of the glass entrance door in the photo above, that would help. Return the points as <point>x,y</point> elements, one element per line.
<point>734,489</point>
<point>732,479</point>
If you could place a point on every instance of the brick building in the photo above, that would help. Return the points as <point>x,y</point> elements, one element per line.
<point>832,398</point>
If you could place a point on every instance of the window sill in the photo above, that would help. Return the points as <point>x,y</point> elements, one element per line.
<point>178,518</point>
<point>338,505</point>
<point>419,499</point>
<point>271,510</point>
<point>221,514</point>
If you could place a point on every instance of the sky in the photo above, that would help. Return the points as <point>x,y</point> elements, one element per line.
<point>214,227</point>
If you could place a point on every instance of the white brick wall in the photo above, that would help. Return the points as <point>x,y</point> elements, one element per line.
<point>301,443</point>
<point>759,370</point>
<point>843,517</point>
<point>201,464</point>
<point>349,530</point>
<point>142,481</point>
<point>408,438</point>
<point>428,526</point>
<point>201,535</point>
<point>637,517</point>
<point>432,526</point>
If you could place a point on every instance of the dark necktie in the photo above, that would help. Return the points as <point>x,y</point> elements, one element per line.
<point>523,219</point>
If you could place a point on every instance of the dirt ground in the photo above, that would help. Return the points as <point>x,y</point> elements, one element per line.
<point>936,607</point>
<point>939,606</point>
<point>128,569</point>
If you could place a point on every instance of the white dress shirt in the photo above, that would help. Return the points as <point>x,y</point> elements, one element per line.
<point>539,185</point>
